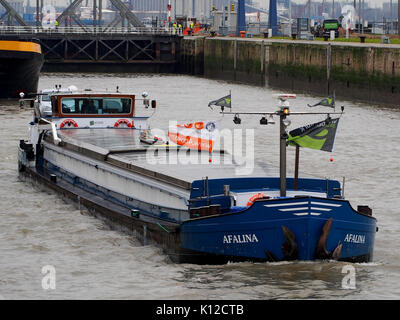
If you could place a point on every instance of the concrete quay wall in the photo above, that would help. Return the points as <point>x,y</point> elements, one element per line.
<point>355,71</point>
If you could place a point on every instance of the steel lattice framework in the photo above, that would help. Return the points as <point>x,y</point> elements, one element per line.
<point>11,15</point>
<point>125,17</point>
<point>141,49</point>
<point>123,44</point>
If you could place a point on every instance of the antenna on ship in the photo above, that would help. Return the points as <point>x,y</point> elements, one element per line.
<point>283,112</point>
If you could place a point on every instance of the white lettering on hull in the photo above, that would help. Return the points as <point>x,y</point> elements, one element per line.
<point>354,238</point>
<point>240,238</point>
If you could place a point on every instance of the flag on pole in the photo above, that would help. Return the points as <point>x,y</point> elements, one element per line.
<point>222,102</point>
<point>326,102</point>
<point>319,136</point>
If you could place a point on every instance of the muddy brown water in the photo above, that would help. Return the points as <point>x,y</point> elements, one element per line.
<point>39,228</point>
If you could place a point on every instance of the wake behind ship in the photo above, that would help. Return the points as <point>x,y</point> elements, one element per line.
<point>20,64</point>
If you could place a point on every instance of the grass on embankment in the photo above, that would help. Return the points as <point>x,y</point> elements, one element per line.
<point>368,39</point>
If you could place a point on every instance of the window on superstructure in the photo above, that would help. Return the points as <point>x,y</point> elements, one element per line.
<point>96,106</point>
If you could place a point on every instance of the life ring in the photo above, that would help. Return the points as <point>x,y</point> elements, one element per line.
<point>125,121</point>
<point>68,123</point>
<point>254,198</point>
<point>199,125</point>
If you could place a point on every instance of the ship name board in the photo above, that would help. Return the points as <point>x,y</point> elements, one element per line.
<point>354,238</point>
<point>240,238</point>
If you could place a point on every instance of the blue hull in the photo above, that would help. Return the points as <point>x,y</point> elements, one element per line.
<point>258,232</point>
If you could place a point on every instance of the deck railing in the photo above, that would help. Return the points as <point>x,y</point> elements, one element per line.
<point>95,30</point>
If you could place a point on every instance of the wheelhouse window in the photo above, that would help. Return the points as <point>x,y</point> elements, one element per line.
<point>96,106</point>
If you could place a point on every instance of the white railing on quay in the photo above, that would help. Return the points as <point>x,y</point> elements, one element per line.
<point>95,30</point>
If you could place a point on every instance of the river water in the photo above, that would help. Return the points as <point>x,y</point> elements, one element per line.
<point>39,228</point>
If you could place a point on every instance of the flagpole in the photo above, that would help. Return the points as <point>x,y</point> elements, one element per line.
<point>283,137</point>
<point>282,154</point>
<point>296,168</point>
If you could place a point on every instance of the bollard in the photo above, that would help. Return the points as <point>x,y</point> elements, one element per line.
<point>53,178</point>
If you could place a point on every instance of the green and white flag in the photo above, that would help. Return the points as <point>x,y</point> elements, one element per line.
<point>326,102</point>
<point>319,136</point>
<point>222,102</point>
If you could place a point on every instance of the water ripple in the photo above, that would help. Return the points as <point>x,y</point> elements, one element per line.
<point>38,228</point>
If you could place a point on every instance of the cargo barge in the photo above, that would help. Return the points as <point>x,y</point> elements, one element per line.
<point>199,213</point>
<point>20,65</point>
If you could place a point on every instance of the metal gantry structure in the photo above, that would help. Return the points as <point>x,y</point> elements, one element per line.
<point>124,16</point>
<point>118,49</point>
<point>126,10</point>
<point>11,14</point>
<point>124,44</point>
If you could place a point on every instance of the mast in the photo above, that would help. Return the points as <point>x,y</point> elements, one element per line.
<point>283,113</point>
<point>282,155</point>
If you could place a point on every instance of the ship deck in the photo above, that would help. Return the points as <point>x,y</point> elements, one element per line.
<point>172,164</point>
